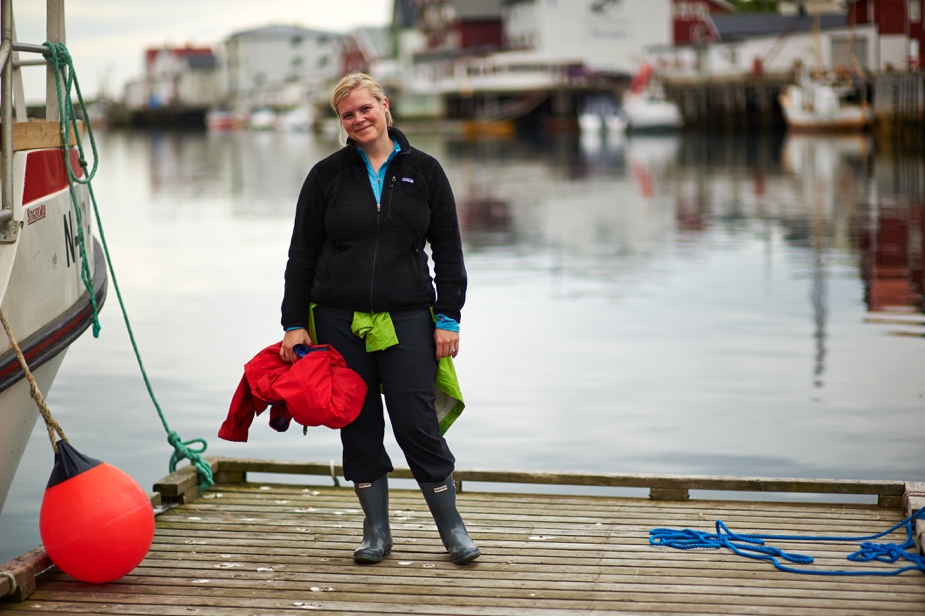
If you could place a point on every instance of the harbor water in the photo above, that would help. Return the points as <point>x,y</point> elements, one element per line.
<point>700,305</point>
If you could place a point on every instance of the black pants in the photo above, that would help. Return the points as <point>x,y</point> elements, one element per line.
<point>406,372</point>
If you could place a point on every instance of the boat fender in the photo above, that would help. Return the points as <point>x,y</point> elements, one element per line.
<point>96,522</point>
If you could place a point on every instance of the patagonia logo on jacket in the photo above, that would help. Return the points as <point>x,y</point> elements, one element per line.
<point>409,180</point>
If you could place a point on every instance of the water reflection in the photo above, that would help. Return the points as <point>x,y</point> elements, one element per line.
<point>609,209</point>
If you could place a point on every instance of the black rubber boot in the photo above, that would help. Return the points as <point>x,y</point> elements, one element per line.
<point>377,538</point>
<point>441,499</point>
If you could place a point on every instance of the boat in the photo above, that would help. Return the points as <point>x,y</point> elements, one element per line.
<point>820,104</point>
<point>263,118</point>
<point>42,295</point>
<point>646,107</point>
<point>298,119</point>
<point>223,119</point>
<point>823,101</point>
<point>601,115</point>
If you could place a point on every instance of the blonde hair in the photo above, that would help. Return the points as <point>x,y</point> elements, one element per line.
<point>351,82</point>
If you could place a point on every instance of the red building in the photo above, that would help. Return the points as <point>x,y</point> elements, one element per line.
<point>895,19</point>
<point>692,21</point>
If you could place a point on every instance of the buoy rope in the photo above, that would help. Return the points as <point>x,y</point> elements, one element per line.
<point>60,59</point>
<point>753,546</point>
<point>50,423</point>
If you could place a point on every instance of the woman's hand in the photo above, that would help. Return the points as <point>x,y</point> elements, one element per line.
<point>447,343</point>
<point>290,339</point>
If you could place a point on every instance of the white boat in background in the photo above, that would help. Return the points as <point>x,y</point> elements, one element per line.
<point>263,118</point>
<point>645,106</point>
<point>591,123</point>
<point>817,105</point>
<point>601,115</point>
<point>298,119</point>
<point>823,101</point>
<point>41,291</point>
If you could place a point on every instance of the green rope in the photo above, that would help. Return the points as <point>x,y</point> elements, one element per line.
<point>59,58</point>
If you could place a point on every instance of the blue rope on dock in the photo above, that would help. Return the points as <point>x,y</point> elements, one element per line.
<point>753,546</point>
<point>59,58</point>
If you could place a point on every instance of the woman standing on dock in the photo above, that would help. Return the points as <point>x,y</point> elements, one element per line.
<point>357,267</point>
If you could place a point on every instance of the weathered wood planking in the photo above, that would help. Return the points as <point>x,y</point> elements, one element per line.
<point>274,549</point>
<point>889,493</point>
<point>35,134</point>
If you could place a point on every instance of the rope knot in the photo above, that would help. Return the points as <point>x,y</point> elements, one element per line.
<point>182,450</point>
<point>881,552</point>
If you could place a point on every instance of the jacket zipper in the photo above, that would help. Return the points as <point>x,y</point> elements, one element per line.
<point>391,192</point>
<point>372,276</point>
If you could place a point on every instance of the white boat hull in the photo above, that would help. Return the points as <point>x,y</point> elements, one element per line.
<point>18,418</point>
<point>816,108</point>
<point>644,113</point>
<point>41,292</point>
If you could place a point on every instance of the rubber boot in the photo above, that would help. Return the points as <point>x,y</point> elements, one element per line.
<point>377,538</point>
<point>441,499</point>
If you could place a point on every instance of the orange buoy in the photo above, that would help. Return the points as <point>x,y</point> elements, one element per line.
<point>96,522</point>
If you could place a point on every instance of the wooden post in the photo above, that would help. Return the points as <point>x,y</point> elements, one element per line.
<point>914,500</point>
<point>669,494</point>
<point>54,26</point>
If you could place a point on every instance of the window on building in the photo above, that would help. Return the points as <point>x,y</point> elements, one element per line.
<point>915,11</point>
<point>296,61</point>
<point>322,61</point>
<point>295,41</point>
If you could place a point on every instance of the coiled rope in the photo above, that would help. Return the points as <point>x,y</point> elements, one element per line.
<point>753,546</point>
<point>66,80</point>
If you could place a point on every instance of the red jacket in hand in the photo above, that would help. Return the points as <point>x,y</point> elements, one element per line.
<point>317,390</point>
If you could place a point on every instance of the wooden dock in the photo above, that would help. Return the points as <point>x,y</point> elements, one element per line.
<point>272,548</point>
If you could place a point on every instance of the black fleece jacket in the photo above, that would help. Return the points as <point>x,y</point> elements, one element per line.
<point>349,252</point>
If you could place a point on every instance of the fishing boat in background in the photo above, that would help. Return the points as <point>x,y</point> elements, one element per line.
<point>646,107</point>
<point>822,104</point>
<point>222,118</point>
<point>825,101</point>
<point>42,294</point>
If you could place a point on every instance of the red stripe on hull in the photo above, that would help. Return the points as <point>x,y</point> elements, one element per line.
<point>30,354</point>
<point>46,174</point>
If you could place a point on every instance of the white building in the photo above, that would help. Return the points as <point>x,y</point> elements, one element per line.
<point>854,50</point>
<point>176,77</point>
<point>608,35</point>
<point>279,65</point>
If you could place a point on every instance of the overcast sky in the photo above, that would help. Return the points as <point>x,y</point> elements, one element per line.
<point>107,38</point>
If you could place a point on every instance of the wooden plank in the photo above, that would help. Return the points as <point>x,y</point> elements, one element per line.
<point>457,593</point>
<point>17,577</point>
<point>36,134</point>
<point>182,485</point>
<point>675,482</point>
<point>448,598</point>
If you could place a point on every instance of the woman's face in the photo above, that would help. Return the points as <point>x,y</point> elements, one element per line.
<point>363,117</point>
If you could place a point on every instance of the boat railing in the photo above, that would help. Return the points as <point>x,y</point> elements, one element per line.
<point>9,73</point>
